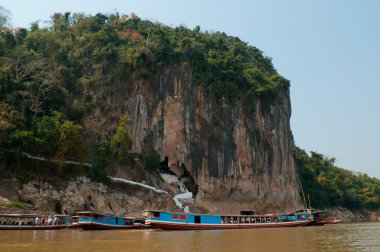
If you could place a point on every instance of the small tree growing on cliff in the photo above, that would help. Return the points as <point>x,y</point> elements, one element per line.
<point>151,158</point>
<point>121,142</point>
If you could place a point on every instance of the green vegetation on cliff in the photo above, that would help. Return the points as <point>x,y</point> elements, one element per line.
<point>53,79</point>
<point>329,186</point>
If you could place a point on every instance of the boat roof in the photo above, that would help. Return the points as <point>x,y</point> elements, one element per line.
<point>99,214</point>
<point>132,218</point>
<point>20,215</point>
<point>229,215</point>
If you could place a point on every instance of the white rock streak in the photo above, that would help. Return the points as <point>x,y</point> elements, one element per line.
<point>176,198</point>
<point>139,184</point>
<point>55,161</point>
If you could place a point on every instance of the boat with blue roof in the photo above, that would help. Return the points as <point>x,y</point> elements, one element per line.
<point>95,221</point>
<point>246,220</point>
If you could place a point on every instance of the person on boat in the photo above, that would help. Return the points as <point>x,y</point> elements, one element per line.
<point>50,220</point>
<point>55,220</point>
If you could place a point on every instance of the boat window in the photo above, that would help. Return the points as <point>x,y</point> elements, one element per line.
<point>128,222</point>
<point>197,219</point>
<point>179,217</point>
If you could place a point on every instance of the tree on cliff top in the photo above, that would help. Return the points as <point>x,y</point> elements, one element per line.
<point>4,17</point>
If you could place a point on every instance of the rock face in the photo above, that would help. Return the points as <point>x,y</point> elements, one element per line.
<point>83,194</point>
<point>239,158</point>
<point>355,216</point>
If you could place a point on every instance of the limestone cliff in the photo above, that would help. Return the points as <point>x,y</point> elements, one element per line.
<point>240,158</point>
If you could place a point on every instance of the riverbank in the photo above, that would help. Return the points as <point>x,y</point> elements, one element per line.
<point>44,196</point>
<point>361,215</point>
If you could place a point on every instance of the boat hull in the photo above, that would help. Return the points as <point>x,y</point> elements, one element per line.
<point>323,222</point>
<point>334,222</point>
<point>73,225</point>
<point>101,226</point>
<point>317,223</point>
<point>36,227</point>
<point>187,226</point>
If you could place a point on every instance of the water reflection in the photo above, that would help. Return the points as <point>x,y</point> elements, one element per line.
<point>349,237</point>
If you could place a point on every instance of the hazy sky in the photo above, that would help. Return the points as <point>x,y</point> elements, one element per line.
<point>328,49</point>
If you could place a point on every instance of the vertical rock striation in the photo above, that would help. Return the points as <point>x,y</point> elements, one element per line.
<point>239,159</point>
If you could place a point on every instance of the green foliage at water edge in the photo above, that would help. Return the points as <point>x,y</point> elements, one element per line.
<point>328,185</point>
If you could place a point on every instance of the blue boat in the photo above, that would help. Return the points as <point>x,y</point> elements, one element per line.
<point>94,221</point>
<point>193,221</point>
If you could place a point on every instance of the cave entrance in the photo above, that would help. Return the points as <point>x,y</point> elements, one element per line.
<point>188,180</point>
<point>164,167</point>
<point>58,208</point>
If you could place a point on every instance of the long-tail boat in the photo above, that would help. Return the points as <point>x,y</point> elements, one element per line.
<point>193,221</point>
<point>318,217</point>
<point>30,222</point>
<point>94,221</point>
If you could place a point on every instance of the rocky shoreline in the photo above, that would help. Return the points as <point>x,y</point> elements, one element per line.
<point>361,215</point>
<point>77,194</point>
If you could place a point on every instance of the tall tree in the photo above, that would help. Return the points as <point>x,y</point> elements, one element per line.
<point>4,17</point>
<point>121,142</point>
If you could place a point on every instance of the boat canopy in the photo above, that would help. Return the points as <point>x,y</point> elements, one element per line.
<point>19,215</point>
<point>147,211</point>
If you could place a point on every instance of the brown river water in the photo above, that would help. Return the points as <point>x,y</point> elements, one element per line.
<point>340,237</point>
